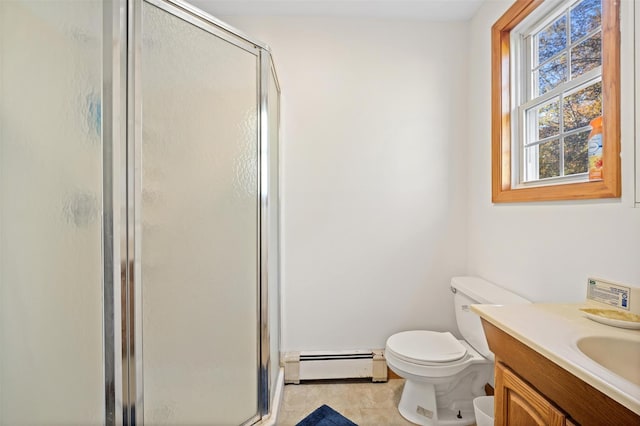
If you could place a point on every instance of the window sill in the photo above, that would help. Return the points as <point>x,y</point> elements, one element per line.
<point>569,191</point>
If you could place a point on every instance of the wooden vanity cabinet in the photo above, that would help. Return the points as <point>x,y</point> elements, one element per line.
<point>530,389</point>
<point>517,403</point>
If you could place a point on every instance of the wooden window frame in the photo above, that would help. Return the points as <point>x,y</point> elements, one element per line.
<point>502,190</point>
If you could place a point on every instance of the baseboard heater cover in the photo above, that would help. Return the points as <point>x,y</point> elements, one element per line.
<point>319,365</point>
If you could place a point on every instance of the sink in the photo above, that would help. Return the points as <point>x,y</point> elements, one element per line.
<point>618,355</point>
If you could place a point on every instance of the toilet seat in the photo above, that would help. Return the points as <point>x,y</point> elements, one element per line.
<point>428,348</point>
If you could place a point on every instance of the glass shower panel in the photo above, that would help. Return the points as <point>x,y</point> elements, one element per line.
<point>51,294</point>
<point>199,235</point>
<point>273,105</point>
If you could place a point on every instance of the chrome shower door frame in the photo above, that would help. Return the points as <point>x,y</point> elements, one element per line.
<point>114,217</point>
<point>129,401</point>
<point>267,68</point>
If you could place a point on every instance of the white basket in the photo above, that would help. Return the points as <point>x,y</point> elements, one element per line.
<point>483,408</point>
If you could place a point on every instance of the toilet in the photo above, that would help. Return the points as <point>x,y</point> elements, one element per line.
<point>443,374</point>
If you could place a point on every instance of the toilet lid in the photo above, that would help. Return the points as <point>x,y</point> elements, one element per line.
<point>426,346</point>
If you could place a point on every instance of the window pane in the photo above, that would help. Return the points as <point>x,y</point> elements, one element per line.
<point>551,74</point>
<point>548,120</point>
<point>552,39</point>
<point>585,18</point>
<point>576,157</point>
<point>586,55</point>
<point>549,159</point>
<point>580,107</point>
<point>546,158</point>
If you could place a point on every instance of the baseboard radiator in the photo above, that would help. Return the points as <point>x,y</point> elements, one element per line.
<point>322,365</point>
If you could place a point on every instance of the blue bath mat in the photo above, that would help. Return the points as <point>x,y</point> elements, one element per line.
<point>326,416</point>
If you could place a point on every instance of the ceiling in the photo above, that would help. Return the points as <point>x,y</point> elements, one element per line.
<point>432,10</point>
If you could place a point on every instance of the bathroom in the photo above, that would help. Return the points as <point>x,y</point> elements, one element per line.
<point>385,179</point>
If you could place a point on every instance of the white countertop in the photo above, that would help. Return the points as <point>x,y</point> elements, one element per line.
<point>553,330</point>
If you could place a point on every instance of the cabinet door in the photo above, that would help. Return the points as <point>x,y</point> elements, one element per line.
<point>517,403</point>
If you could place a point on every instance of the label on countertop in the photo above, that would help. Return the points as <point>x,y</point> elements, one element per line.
<point>608,293</point>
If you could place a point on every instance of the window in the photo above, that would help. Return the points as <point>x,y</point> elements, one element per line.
<point>555,72</point>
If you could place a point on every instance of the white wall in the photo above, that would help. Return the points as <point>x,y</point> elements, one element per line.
<point>374,185</point>
<point>545,251</point>
<point>386,186</point>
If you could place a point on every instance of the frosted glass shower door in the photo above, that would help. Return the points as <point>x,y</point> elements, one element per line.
<point>198,241</point>
<point>51,155</point>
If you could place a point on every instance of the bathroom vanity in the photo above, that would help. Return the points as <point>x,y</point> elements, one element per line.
<point>547,372</point>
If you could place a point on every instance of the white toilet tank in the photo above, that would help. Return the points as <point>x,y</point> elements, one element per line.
<point>473,290</point>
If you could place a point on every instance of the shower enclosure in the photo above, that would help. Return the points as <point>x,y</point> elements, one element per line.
<point>139,220</point>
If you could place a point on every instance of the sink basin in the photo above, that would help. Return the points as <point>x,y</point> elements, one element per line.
<point>620,356</point>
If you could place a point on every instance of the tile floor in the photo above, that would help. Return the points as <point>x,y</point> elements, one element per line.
<point>364,403</point>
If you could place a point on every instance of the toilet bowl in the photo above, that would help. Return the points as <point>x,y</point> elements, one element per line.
<point>443,374</point>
